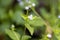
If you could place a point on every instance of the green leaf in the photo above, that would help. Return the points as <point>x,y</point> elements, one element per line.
<point>31,29</point>
<point>56,31</point>
<point>20,30</point>
<point>12,34</point>
<point>25,37</point>
<point>44,38</point>
<point>36,22</point>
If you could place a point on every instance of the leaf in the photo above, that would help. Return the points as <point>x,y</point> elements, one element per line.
<point>44,38</point>
<point>31,29</point>
<point>25,37</point>
<point>54,37</point>
<point>56,31</point>
<point>20,30</point>
<point>36,22</point>
<point>12,34</point>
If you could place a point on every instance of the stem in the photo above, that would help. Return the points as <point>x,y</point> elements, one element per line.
<point>27,13</point>
<point>45,22</point>
<point>26,22</point>
<point>35,12</point>
<point>24,27</point>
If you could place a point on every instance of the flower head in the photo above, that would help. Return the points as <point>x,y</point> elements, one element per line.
<point>30,17</point>
<point>33,4</point>
<point>49,35</point>
<point>12,26</point>
<point>27,7</point>
<point>59,16</point>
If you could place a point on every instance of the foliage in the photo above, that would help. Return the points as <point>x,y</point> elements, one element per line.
<point>18,15</point>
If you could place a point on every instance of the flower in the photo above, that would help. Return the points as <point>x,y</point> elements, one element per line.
<point>49,35</point>
<point>33,4</point>
<point>12,26</point>
<point>30,17</point>
<point>59,16</point>
<point>27,7</point>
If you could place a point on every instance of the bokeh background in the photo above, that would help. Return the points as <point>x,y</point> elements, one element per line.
<point>29,19</point>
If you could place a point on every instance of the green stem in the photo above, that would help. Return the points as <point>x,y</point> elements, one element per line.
<point>45,22</point>
<point>26,22</point>
<point>24,27</point>
<point>35,12</point>
<point>27,13</point>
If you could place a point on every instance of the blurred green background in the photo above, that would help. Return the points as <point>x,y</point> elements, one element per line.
<point>29,19</point>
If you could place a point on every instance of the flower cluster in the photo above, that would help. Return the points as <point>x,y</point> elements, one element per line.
<point>21,3</point>
<point>30,17</point>
<point>29,6</point>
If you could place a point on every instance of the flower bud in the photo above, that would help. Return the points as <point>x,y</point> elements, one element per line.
<point>30,17</point>
<point>59,16</point>
<point>26,7</point>
<point>33,4</point>
<point>49,35</point>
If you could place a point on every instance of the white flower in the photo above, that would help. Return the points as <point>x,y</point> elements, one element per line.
<point>59,16</point>
<point>30,17</point>
<point>27,7</point>
<point>33,4</point>
<point>12,26</point>
<point>49,35</point>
